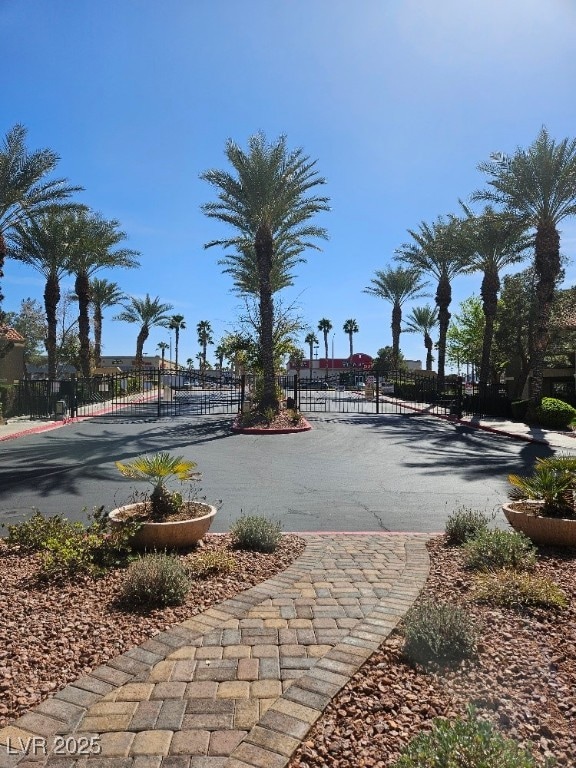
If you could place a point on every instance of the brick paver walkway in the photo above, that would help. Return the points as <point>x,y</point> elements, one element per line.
<point>241,684</point>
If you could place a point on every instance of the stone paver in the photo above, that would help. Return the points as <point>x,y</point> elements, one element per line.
<point>242,683</point>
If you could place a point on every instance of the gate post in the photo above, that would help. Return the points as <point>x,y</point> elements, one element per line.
<point>296,403</point>
<point>242,391</point>
<point>159,393</point>
<point>377,390</point>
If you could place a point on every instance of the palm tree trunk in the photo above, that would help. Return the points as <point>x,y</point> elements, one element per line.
<point>82,287</point>
<point>326,354</point>
<point>547,267</point>
<point>489,293</point>
<point>311,359</point>
<point>97,335</point>
<point>51,299</point>
<point>443,299</point>
<point>429,345</point>
<point>264,248</point>
<point>3,254</point>
<point>176,342</point>
<point>396,330</point>
<point>351,344</point>
<point>140,341</point>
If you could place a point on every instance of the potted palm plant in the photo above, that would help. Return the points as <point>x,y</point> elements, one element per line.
<point>543,504</point>
<point>166,520</point>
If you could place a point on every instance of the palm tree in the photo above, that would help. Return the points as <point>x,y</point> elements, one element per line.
<point>147,313</point>
<point>396,286</point>
<point>24,190</point>
<point>539,186</point>
<point>311,340</point>
<point>44,243</point>
<point>441,250</point>
<point>176,324</point>
<point>497,240</point>
<point>422,320</point>
<point>204,331</point>
<point>94,238</point>
<point>267,203</point>
<point>104,294</point>
<point>325,326</point>
<point>351,327</point>
<point>162,346</point>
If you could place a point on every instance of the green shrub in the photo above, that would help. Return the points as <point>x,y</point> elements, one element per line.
<point>208,563</point>
<point>470,743</point>
<point>68,548</point>
<point>155,580</point>
<point>553,413</point>
<point>516,590</point>
<point>31,535</point>
<point>492,549</point>
<point>438,633</point>
<point>464,524</point>
<point>256,533</point>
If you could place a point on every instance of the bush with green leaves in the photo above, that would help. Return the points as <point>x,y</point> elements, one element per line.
<point>68,548</point>
<point>256,533</point>
<point>464,524</point>
<point>438,633</point>
<point>209,563</point>
<point>465,743</point>
<point>154,581</point>
<point>493,549</point>
<point>514,589</point>
<point>553,413</point>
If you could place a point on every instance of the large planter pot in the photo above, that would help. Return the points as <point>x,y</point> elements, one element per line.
<point>552,531</point>
<point>173,534</point>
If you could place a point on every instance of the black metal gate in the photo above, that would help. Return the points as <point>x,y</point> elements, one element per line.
<point>146,393</point>
<point>397,392</point>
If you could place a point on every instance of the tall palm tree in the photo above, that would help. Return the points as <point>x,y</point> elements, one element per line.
<point>538,185</point>
<point>24,189</point>
<point>204,331</point>
<point>176,324</point>
<point>422,320</point>
<point>266,201</point>
<point>325,326</point>
<point>147,313</point>
<point>104,294</point>
<point>243,267</point>
<point>95,239</point>
<point>311,340</point>
<point>163,346</point>
<point>439,249</point>
<point>497,240</point>
<point>396,285</point>
<point>45,244</point>
<point>351,327</point>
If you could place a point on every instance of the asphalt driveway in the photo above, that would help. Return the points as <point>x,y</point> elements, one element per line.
<point>352,472</point>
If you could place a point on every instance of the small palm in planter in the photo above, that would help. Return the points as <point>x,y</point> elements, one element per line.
<point>168,521</point>
<point>543,504</point>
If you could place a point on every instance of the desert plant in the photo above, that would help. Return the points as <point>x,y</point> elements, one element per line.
<point>157,470</point>
<point>553,482</point>
<point>516,590</point>
<point>553,413</point>
<point>155,580</point>
<point>464,743</point>
<point>208,563</point>
<point>464,524</point>
<point>438,633</point>
<point>492,549</point>
<point>256,533</point>
<point>31,535</point>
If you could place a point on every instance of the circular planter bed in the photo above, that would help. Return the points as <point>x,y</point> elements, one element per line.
<point>282,425</point>
<point>550,531</point>
<point>171,534</point>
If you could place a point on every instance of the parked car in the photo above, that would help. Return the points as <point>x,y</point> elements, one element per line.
<point>314,384</point>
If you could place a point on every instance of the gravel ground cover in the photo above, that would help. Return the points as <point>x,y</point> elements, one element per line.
<point>52,634</point>
<point>523,679</point>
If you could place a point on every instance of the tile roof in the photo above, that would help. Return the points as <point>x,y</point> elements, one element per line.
<point>11,334</point>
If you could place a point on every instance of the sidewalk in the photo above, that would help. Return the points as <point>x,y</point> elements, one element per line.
<point>239,685</point>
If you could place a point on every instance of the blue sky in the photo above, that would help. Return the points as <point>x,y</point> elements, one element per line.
<point>398,100</point>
